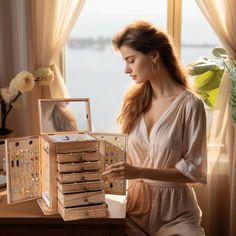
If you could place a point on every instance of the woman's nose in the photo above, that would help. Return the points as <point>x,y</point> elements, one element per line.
<point>127,69</point>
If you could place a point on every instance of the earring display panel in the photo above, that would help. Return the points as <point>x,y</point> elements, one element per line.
<point>113,149</point>
<point>23,169</point>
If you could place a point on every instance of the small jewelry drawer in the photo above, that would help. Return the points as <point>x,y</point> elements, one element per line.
<point>78,157</point>
<point>81,199</point>
<point>80,187</point>
<point>84,212</point>
<point>77,146</point>
<point>78,177</point>
<point>79,167</point>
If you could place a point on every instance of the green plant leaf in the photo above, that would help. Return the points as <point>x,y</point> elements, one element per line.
<point>234,117</point>
<point>209,97</point>
<point>208,81</point>
<point>208,74</point>
<point>232,100</point>
<point>219,52</point>
<point>200,66</point>
<point>212,96</point>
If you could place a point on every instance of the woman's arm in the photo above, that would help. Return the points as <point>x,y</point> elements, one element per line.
<point>127,171</point>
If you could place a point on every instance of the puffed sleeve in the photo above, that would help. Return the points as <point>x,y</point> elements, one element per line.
<point>194,161</point>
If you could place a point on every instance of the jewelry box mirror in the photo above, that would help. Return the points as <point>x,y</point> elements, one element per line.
<point>64,116</point>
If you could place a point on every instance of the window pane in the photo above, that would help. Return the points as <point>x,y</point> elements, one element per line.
<point>92,68</point>
<point>198,38</point>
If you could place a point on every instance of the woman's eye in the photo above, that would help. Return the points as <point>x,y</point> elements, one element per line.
<point>131,61</point>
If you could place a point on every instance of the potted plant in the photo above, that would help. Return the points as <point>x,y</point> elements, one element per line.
<point>207,77</point>
<point>208,74</point>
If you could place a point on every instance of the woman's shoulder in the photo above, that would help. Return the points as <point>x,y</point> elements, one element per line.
<point>193,104</point>
<point>192,99</point>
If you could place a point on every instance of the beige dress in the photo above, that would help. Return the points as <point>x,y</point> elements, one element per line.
<point>177,140</point>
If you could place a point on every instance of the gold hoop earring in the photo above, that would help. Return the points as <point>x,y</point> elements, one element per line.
<point>155,67</point>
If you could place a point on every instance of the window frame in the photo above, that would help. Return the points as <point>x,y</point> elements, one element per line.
<point>174,22</point>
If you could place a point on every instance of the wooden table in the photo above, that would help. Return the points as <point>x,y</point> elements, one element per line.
<point>27,219</point>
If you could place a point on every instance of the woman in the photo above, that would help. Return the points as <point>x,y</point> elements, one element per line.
<point>166,128</point>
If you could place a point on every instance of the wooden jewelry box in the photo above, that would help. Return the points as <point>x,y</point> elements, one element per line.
<point>62,167</point>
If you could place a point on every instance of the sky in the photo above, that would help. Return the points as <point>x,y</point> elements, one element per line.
<point>106,17</point>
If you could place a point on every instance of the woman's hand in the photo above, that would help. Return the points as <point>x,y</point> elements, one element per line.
<point>121,170</point>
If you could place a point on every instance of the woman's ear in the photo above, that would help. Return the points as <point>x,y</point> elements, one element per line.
<point>155,56</point>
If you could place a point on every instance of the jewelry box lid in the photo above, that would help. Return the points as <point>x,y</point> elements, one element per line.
<point>64,115</point>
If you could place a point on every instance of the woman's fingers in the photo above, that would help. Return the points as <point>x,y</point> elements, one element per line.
<point>115,165</point>
<point>120,170</point>
<point>115,169</point>
<point>119,175</point>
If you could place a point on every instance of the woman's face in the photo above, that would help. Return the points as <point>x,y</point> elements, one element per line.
<point>137,64</point>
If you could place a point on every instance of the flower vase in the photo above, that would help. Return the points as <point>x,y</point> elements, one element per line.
<point>5,131</point>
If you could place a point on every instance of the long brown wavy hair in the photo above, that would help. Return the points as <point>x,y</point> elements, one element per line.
<point>144,37</point>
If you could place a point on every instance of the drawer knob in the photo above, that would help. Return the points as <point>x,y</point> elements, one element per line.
<point>82,178</point>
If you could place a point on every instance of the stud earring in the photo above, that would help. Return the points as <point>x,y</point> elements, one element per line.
<point>155,67</point>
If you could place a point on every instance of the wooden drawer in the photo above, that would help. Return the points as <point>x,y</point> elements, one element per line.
<point>78,157</point>
<point>84,212</point>
<point>79,177</point>
<point>79,167</point>
<point>80,187</point>
<point>81,146</point>
<point>81,199</point>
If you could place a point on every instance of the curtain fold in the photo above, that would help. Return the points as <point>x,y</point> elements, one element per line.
<point>36,36</point>
<point>220,194</point>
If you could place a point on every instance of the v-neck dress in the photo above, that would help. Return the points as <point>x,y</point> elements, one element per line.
<point>177,140</point>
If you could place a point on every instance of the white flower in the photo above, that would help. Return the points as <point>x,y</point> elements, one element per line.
<point>23,82</point>
<point>12,88</point>
<point>44,75</point>
<point>7,95</point>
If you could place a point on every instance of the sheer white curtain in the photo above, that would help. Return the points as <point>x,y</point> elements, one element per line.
<point>54,20</point>
<point>32,35</point>
<point>220,194</point>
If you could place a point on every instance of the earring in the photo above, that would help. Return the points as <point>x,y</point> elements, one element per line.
<point>155,67</point>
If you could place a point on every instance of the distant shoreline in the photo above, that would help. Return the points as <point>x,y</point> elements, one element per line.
<point>100,43</point>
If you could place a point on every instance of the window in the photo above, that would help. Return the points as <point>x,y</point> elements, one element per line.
<point>92,68</point>
<point>198,38</point>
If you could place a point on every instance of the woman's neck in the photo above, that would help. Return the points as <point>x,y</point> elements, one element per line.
<point>164,85</point>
